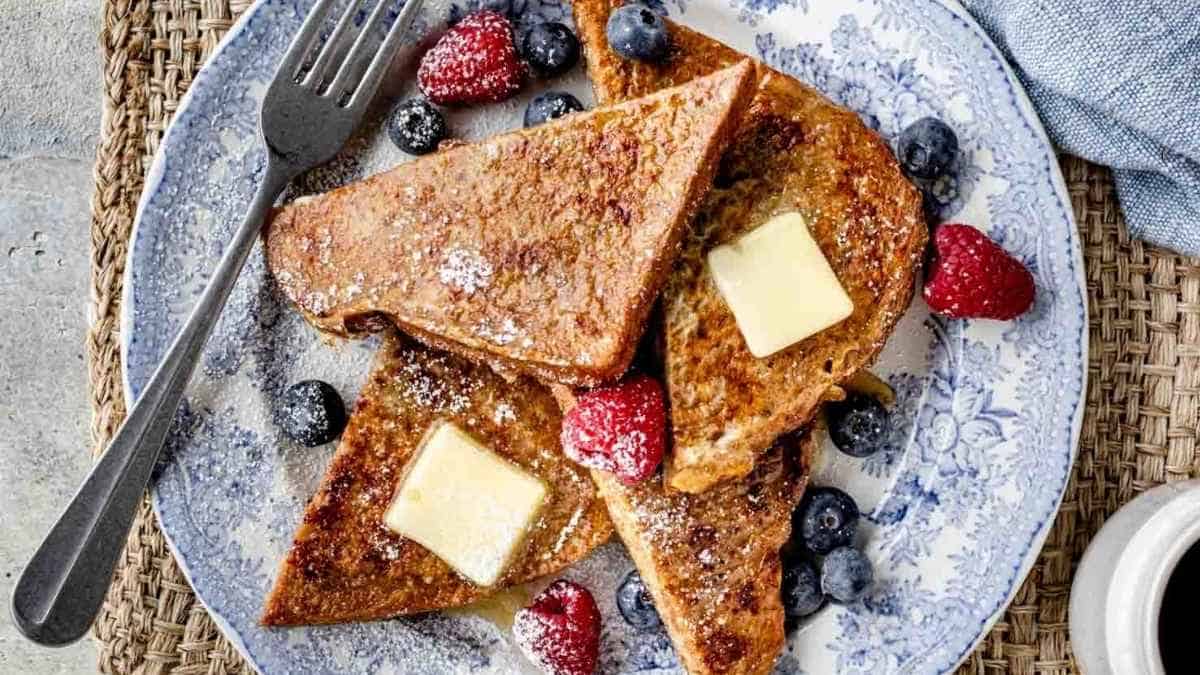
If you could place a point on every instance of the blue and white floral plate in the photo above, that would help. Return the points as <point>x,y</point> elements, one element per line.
<point>958,505</point>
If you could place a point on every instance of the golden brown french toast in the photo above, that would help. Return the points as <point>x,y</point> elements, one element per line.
<point>345,565</point>
<point>538,251</point>
<point>795,152</point>
<point>711,561</point>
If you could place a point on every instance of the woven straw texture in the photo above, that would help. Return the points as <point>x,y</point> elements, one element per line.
<point>1139,427</point>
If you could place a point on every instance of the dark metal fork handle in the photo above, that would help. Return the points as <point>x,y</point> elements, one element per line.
<point>61,590</point>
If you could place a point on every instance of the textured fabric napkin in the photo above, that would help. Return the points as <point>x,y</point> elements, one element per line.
<point>1117,82</point>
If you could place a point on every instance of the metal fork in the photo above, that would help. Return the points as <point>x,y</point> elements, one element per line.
<point>318,97</point>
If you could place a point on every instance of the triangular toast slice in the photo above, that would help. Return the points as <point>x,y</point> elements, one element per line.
<point>711,561</point>
<point>539,251</point>
<point>344,565</point>
<point>795,151</point>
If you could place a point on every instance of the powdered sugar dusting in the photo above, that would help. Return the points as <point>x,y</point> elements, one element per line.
<point>384,543</point>
<point>474,62</point>
<point>315,302</point>
<point>465,270</point>
<point>325,247</point>
<point>619,429</point>
<point>627,447</point>
<point>560,630</point>
<point>418,386</point>
<point>662,519</point>
<point>528,629</point>
<point>504,413</point>
<point>502,335</point>
<point>567,533</point>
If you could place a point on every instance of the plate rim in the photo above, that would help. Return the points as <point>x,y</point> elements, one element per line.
<point>150,186</point>
<point>1034,121</point>
<point>156,174</point>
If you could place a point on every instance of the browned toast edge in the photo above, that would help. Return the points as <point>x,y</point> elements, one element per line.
<point>588,528</point>
<point>612,78</point>
<point>743,76</point>
<point>752,650</point>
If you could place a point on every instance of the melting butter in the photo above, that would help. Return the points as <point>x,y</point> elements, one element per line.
<point>500,607</point>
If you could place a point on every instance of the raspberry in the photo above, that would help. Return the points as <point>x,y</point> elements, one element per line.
<point>560,630</point>
<point>971,277</point>
<point>619,429</point>
<point>474,62</point>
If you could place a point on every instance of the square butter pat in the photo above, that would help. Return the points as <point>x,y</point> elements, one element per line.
<point>467,506</point>
<point>778,284</point>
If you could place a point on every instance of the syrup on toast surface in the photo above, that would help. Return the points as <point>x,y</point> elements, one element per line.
<point>794,151</point>
<point>538,251</point>
<point>344,565</point>
<point>711,561</point>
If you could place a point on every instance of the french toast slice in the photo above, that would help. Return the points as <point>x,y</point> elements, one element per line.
<point>711,561</point>
<point>795,151</point>
<point>538,251</point>
<point>344,565</point>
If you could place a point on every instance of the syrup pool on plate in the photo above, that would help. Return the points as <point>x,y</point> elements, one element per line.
<point>500,607</point>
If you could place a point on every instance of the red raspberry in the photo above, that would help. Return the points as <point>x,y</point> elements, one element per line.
<point>619,429</point>
<point>972,277</point>
<point>474,62</point>
<point>560,630</point>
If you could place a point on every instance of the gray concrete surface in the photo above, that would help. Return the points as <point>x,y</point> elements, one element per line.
<point>49,123</point>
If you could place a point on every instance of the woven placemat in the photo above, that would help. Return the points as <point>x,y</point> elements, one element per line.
<point>1139,427</point>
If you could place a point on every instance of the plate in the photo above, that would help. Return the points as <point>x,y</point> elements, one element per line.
<point>958,504</point>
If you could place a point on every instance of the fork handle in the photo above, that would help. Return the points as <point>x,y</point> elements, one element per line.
<point>60,591</point>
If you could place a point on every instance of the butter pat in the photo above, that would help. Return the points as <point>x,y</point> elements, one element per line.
<point>778,285</point>
<point>466,505</point>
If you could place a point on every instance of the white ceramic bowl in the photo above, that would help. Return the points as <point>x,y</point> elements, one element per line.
<point>1118,590</point>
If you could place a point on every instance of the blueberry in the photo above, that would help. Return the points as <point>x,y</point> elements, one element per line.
<point>802,594</point>
<point>311,413</point>
<point>458,13</point>
<point>927,148</point>
<point>551,48</point>
<point>932,208</point>
<point>846,574</point>
<point>501,6</point>
<point>550,105</point>
<point>635,603</point>
<point>944,188</point>
<point>827,518</point>
<point>636,32</point>
<point>416,127</point>
<point>859,425</point>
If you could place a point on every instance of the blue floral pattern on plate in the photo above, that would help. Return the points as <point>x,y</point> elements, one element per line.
<point>958,503</point>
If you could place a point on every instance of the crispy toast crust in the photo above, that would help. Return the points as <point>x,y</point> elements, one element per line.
<point>795,151</point>
<point>711,561</point>
<point>468,248</point>
<point>344,565</point>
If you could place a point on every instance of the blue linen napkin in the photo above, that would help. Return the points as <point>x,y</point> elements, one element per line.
<point>1116,82</point>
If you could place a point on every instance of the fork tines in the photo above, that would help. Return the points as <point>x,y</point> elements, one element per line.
<point>348,62</point>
